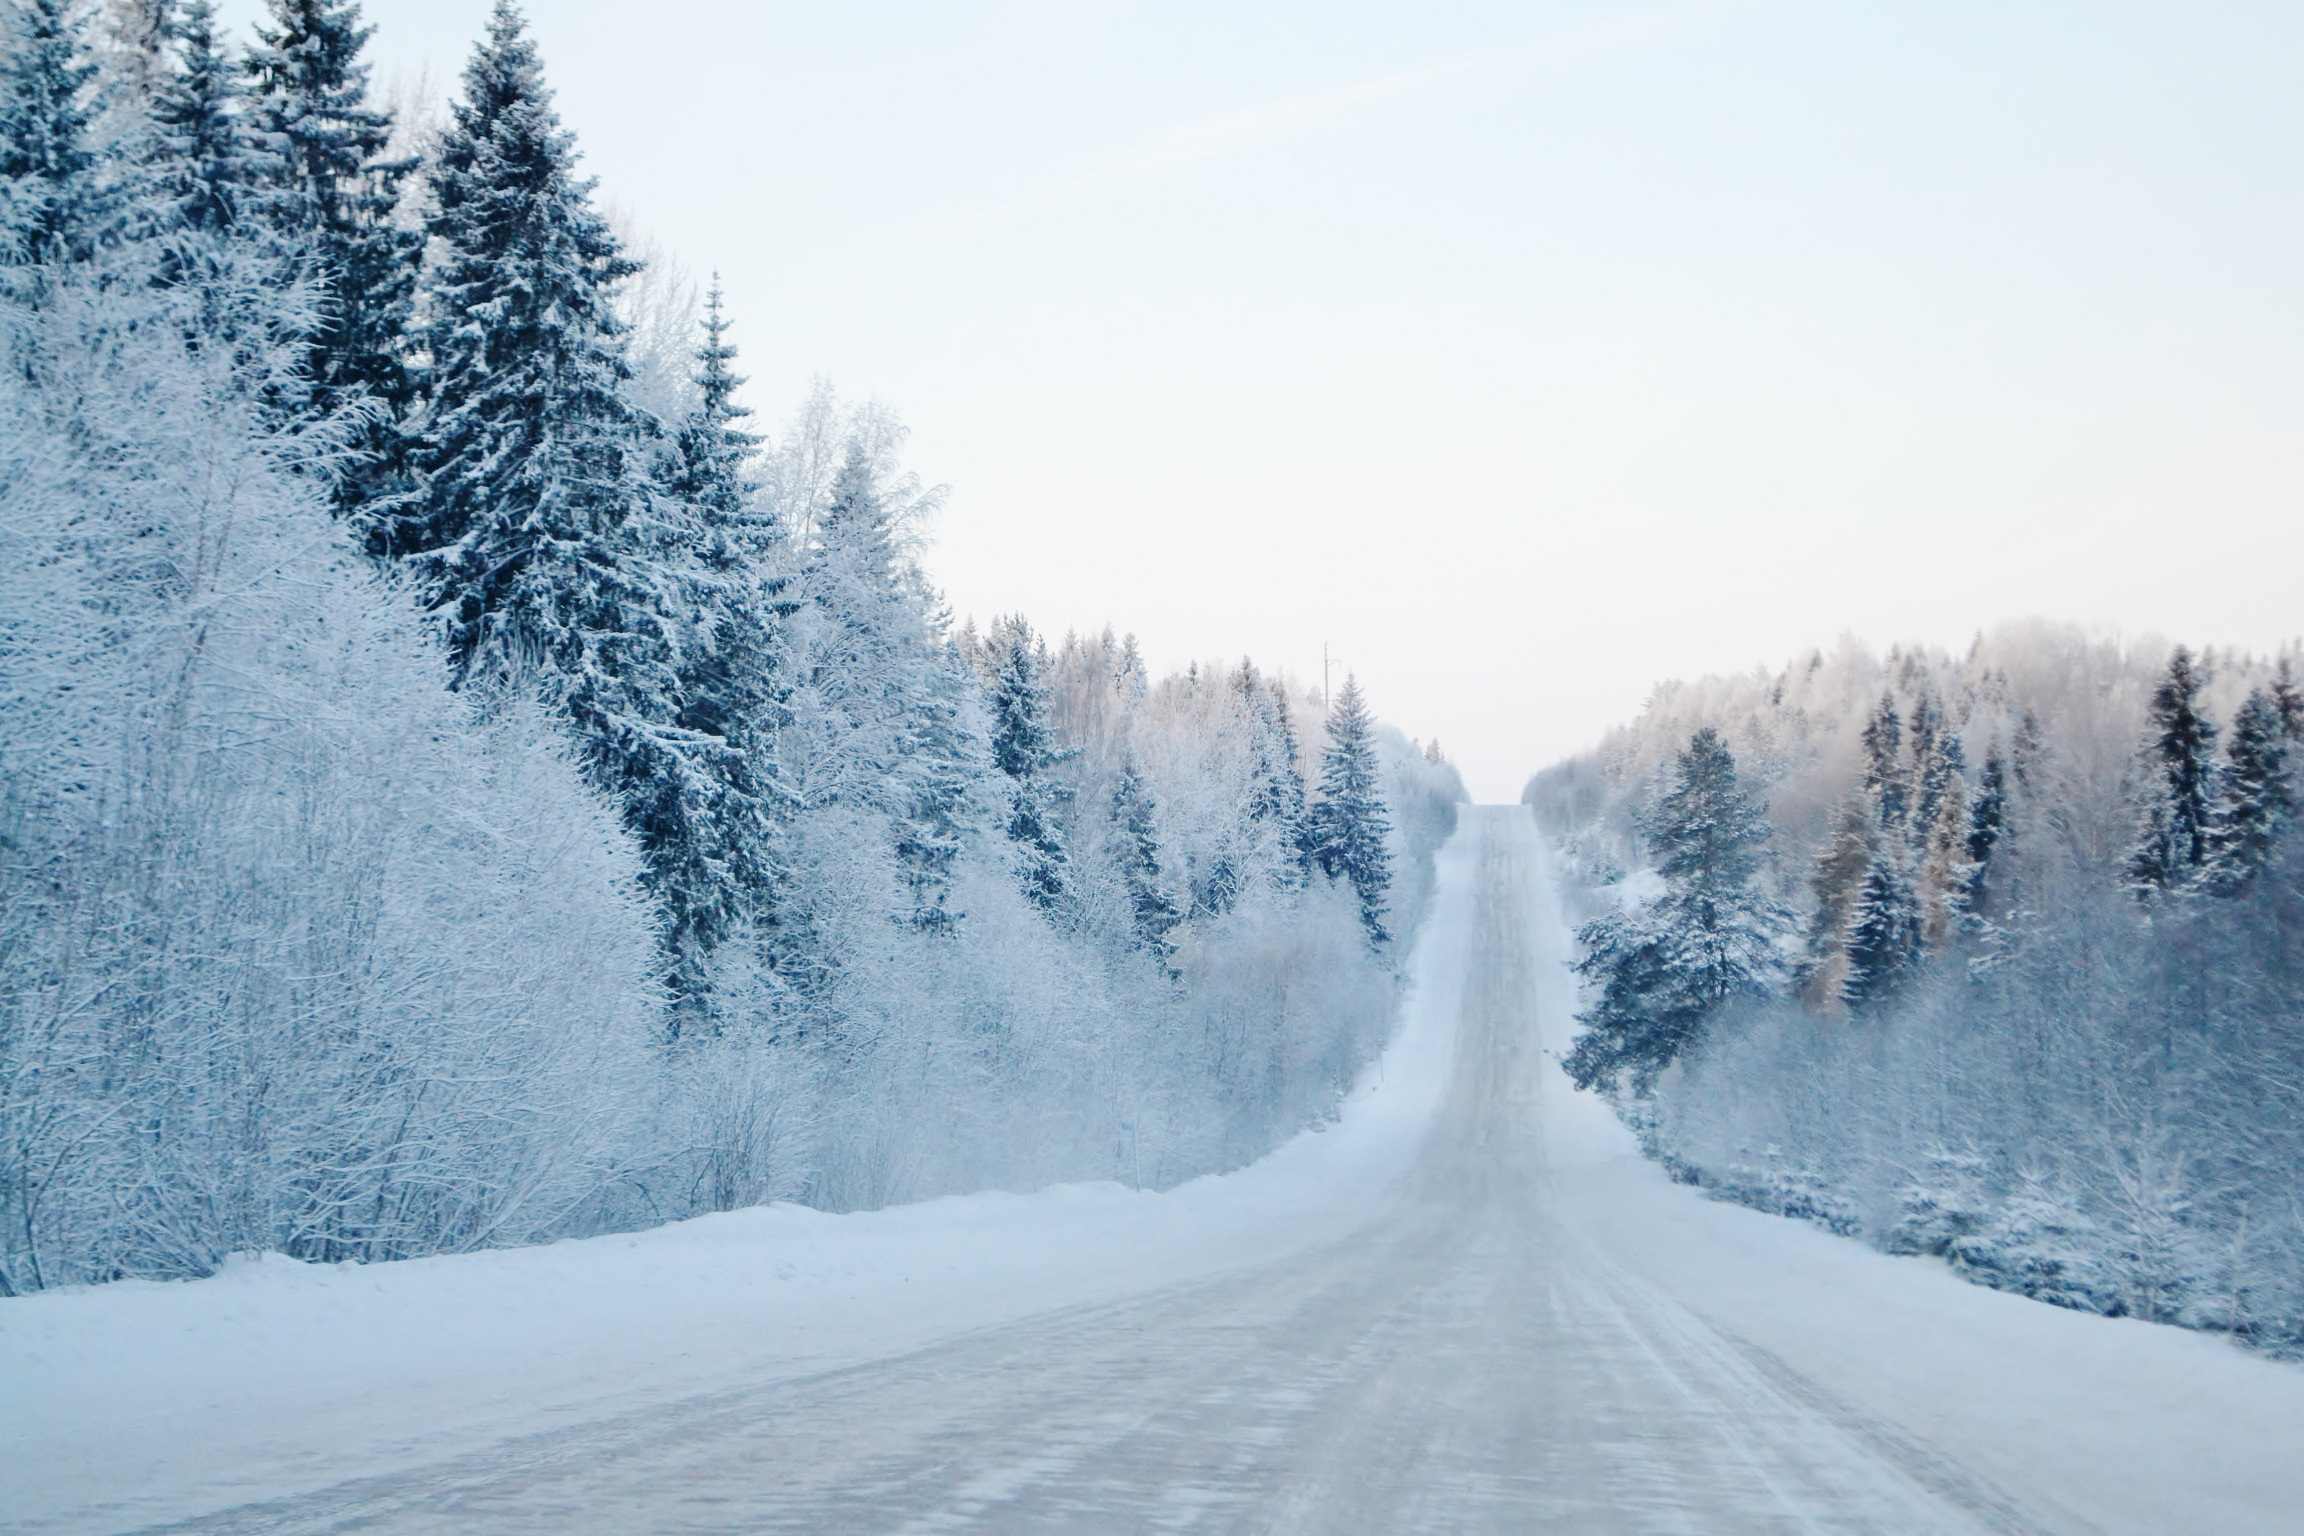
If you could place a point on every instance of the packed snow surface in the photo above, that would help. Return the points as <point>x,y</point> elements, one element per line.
<point>1468,1304</point>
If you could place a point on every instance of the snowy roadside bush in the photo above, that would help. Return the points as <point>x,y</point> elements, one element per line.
<point>2038,1243</point>
<point>1944,1201</point>
<point>298,949</point>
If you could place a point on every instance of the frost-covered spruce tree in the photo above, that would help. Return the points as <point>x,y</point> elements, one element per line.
<point>1024,748</point>
<point>733,677</point>
<point>1712,937</point>
<point>1297,812</point>
<point>1129,673</point>
<point>2176,798</point>
<point>1987,828</point>
<point>1884,928</point>
<point>2288,699</point>
<point>208,172</point>
<point>945,782</point>
<point>1945,872</point>
<point>1884,781</point>
<point>2255,801</point>
<point>335,192</point>
<point>1349,828</point>
<point>1135,827</point>
<point>731,671</point>
<point>1932,769</point>
<point>55,201</point>
<point>881,715</point>
<point>535,526</point>
<point>1275,810</point>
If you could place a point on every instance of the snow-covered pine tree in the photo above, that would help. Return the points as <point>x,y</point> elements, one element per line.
<point>1926,733</point>
<point>527,428</point>
<point>945,777</point>
<point>2255,800</point>
<point>55,201</point>
<point>1297,808</point>
<point>1349,827</point>
<point>1713,936</point>
<point>1884,780</point>
<point>1024,748</point>
<point>1276,785</point>
<point>1987,827</point>
<point>209,173</point>
<point>2176,797</point>
<point>335,191</point>
<point>731,677</point>
<point>1945,873</point>
<point>1940,760</point>
<point>536,526</point>
<point>1129,673</point>
<point>1884,927</point>
<point>1135,828</point>
<point>2288,699</point>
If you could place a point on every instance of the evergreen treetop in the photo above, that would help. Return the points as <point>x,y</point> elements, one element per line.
<point>54,204</point>
<point>336,189</point>
<point>1348,828</point>
<point>2178,770</point>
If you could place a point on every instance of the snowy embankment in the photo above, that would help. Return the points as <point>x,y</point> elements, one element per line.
<point>2087,1423</point>
<point>145,1401</point>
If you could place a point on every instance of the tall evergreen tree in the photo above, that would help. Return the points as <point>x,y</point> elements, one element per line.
<point>1712,937</point>
<point>2288,699</point>
<point>1024,748</point>
<point>1348,828</point>
<point>1295,810</point>
<point>1129,673</point>
<point>1987,828</point>
<point>1884,927</point>
<point>949,764</point>
<point>209,175</point>
<point>1884,781</point>
<point>528,438</point>
<point>880,719</point>
<point>731,677</point>
<point>2176,799</point>
<point>336,193</point>
<point>1940,760</point>
<point>2256,797</point>
<point>1946,875</point>
<point>1276,784</point>
<point>535,525</point>
<point>1135,825</point>
<point>1925,732</point>
<point>54,200</point>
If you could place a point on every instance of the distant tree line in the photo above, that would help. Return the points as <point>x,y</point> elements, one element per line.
<point>1997,958</point>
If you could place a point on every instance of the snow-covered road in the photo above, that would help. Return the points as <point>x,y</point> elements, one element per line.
<point>1468,1307</point>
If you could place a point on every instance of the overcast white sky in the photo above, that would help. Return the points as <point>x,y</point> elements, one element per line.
<point>1527,353</point>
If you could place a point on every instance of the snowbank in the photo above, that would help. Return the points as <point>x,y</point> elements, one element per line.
<point>143,1401</point>
<point>2100,1423</point>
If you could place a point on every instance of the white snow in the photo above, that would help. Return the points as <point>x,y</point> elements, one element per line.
<point>142,1402</point>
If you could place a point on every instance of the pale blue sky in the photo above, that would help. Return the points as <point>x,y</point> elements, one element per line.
<point>1526,352</point>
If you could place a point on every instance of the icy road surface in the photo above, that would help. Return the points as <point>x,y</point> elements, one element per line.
<point>1468,1307</point>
